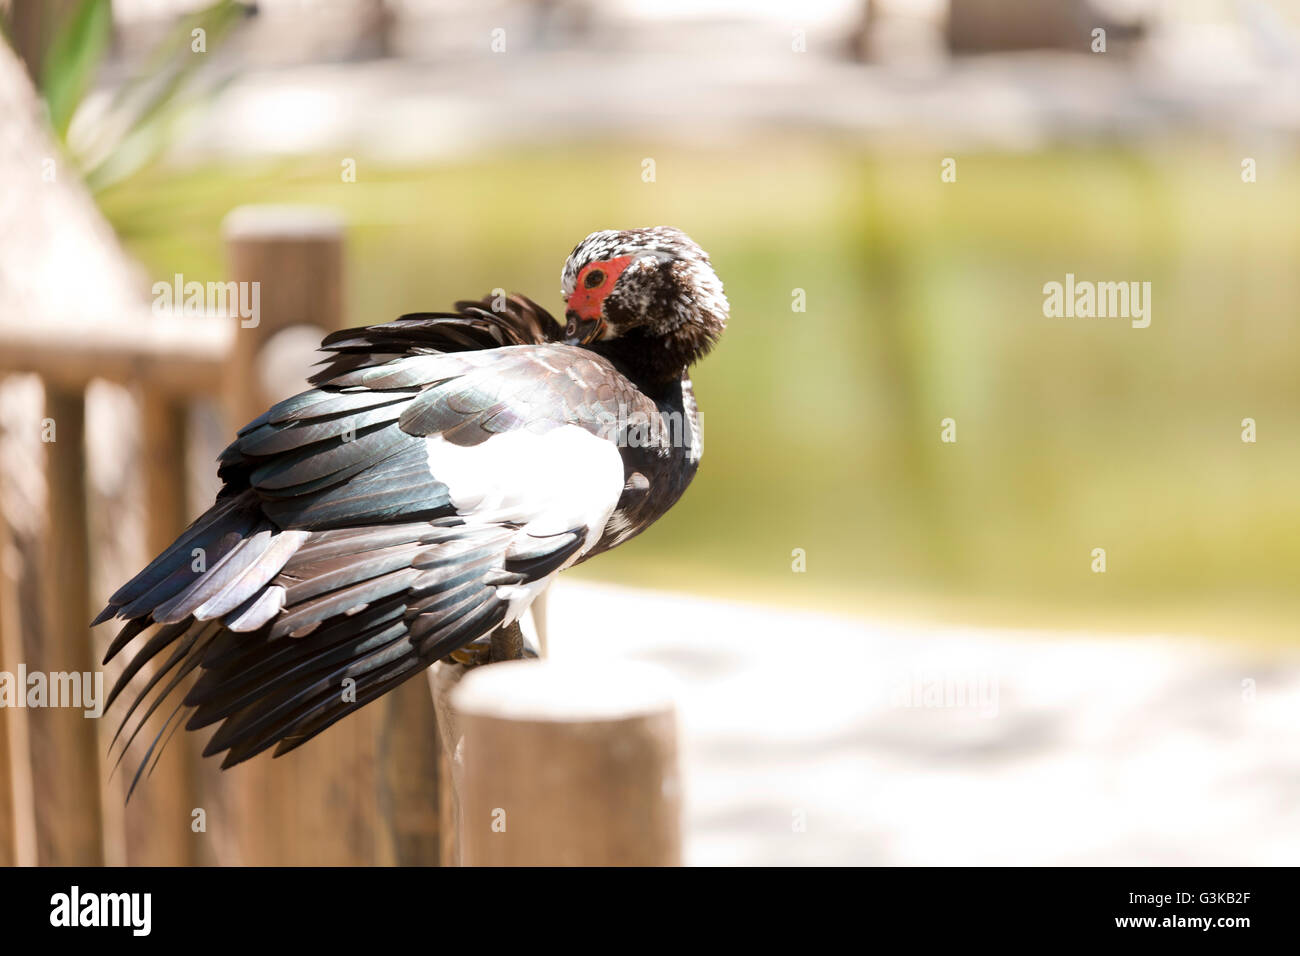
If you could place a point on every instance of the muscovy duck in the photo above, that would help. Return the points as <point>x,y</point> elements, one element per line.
<point>439,474</point>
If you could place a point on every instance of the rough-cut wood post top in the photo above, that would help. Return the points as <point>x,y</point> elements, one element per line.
<point>568,764</point>
<point>565,691</point>
<point>282,222</point>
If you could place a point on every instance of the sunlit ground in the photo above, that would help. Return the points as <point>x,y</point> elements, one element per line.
<point>924,302</point>
<point>815,739</point>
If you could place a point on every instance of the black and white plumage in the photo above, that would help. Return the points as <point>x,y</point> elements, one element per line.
<point>440,472</point>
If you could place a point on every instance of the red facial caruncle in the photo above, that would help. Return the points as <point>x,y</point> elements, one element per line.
<point>594,282</point>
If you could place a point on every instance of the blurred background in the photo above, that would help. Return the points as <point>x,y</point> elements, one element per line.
<point>884,187</point>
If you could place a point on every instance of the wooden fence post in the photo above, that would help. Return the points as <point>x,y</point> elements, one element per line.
<point>13,739</point>
<point>444,676</point>
<point>407,778</point>
<point>157,822</point>
<point>364,793</point>
<point>64,744</point>
<point>22,525</point>
<point>17,814</point>
<point>8,812</point>
<point>568,764</point>
<point>294,255</point>
<point>293,258</point>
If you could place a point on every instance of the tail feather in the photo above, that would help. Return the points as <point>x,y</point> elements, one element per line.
<point>369,607</point>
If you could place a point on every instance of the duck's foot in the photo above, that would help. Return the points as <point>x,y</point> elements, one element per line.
<point>504,644</point>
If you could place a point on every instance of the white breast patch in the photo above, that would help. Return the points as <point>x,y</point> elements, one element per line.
<point>551,482</point>
<point>548,483</point>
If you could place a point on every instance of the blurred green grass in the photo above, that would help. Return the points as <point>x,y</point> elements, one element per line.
<point>924,301</point>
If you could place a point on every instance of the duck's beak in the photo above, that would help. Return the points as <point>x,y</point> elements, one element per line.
<point>580,330</point>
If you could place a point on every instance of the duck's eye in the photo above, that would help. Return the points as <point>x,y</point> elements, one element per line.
<point>594,278</point>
